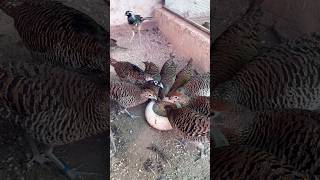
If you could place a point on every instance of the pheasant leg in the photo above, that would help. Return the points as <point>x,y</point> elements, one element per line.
<point>132,116</point>
<point>181,143</point>
<point>71,173</point>
<point>139,31</point>
<point>113,143</point>
<point>133,33</point>
<point>37,157</point>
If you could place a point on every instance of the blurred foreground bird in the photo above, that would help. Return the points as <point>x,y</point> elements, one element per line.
<point>243,162</point>
<point>284,77</point>
<point>135,21</point>
<point>291,135</point>
<point>53,106</point>
<point>128,95</point>
<point>61,35</point>
<point>237,46</point>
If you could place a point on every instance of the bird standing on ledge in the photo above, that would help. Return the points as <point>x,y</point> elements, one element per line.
<point>135,21</point>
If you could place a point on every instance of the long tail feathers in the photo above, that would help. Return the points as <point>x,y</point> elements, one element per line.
<point>113,61</point>
<point>146,18</point>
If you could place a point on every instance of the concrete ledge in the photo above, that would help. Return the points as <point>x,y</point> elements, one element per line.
<point>127,28</point>
<point>187,40</point>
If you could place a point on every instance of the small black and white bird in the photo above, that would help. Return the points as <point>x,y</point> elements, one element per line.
<point>135,21</point>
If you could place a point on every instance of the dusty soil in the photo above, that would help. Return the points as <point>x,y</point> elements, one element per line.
<point>133,159</point>
<point>14,150</point>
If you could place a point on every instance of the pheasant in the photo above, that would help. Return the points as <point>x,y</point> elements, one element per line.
<point>200,104</point>
<point>291,135</point>
<point>198,85</point>
<point>183,76</point>
<point>151,68</point>
<point>193,126</point>
<point>155,114</point>
<point>242,163</point>
<point>60,35</point>
<point>129,72</point>
<point>135,21</point>
<point>167,73</point>
<point>128,95</point>
<point>238,45</point>
<point>284,77</point>
<point>56,108</point>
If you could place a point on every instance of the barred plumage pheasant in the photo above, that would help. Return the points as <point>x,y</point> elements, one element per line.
<point>198,85</point>
<point>168,74</point>
<point>129,95</point>
<point>285,76</point>
<point>242,163</point>
<point>61,35</point>
<point>237,46</point>
<point>55,107</point>
<point>291,135</point>
<point>129,72</point>
<point>183,76</point>
<point>200,104</point>
<point>151,68</point>
<point>192,125</point>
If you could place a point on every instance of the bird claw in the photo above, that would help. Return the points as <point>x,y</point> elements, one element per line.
<point>40,159</point>
<point>74,174</point>
<point>133,116</point>
<point>181,143</point>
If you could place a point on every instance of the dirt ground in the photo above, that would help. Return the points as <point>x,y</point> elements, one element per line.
<point>14,151</point>
<point>133,159</point>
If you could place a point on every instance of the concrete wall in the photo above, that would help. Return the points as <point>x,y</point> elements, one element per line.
<point>141,7</point>
<point>186,40</point>
<point>189,8</point>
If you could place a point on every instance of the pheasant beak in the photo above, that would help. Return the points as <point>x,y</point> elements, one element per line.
<point>153,97</point>
<point>161,85</point>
